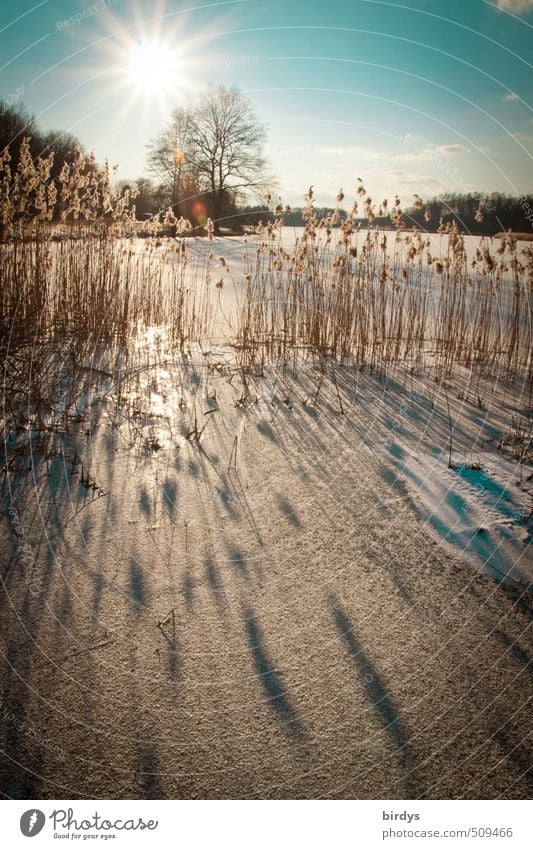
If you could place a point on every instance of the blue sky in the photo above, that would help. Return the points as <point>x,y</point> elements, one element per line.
<point>417,96</point>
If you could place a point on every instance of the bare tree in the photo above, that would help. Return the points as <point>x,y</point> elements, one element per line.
<point>219,141</point>
<point>168,158</point>
<point>227,147</point>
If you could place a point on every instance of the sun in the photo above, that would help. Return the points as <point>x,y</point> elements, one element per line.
<point>152,68</point>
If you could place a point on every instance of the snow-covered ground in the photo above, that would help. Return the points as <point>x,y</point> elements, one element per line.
<point>268,582</point>
<point>481,507</point>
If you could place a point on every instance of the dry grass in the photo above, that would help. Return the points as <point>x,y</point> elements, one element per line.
<point>75,282</point>
<point>381,297</point>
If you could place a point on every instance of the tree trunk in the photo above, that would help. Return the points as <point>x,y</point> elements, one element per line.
<point>217,210</point>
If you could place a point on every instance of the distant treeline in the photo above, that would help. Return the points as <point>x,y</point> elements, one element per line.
<point>473,212</point>
<point>476,213</point>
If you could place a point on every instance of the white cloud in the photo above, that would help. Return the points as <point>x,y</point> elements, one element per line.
<point>518,7</point>
<point>452,150</point>
<point>511,95</point>
<point>368,155</point>
<point>432,152</point>
<point>440,168</point>
<point>423,156</point>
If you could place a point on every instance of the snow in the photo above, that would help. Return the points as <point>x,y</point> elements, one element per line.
<point>341,598</point>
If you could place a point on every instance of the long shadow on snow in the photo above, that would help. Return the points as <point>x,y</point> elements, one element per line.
<point>377,692</point>
<point>273,685</point>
